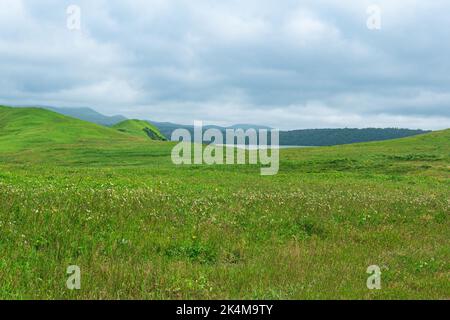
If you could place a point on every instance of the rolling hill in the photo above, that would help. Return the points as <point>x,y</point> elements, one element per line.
<point>140,128</point>
<point>31,127</point>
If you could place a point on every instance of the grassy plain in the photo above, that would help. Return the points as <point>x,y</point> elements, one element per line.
<point>139,227</point>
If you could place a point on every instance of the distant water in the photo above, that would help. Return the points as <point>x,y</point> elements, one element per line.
<point>256,147</point>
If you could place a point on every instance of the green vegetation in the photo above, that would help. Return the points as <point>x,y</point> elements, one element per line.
<point>74,193</point>
<point>140,128</point>
<point>26,128</point>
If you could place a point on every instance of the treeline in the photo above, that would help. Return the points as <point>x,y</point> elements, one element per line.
<point>331,137</point>
<point>316,137</point>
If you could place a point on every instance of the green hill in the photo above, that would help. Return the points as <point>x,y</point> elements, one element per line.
<point>140,128</point>
<point>21,128</point>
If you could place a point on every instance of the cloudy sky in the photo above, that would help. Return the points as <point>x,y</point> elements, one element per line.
<point>286,64</point>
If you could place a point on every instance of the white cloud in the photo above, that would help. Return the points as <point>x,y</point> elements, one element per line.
<point>305,29</point>
<point>223,24</point>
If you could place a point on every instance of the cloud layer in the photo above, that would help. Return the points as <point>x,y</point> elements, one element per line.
<point>293,64</point>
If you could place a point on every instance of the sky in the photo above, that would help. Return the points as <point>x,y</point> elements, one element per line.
<point>286,64</point>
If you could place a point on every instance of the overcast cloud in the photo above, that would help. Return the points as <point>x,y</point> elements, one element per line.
<point>286,64</point>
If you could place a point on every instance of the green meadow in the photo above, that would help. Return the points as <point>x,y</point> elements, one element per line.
<point>111,202</point>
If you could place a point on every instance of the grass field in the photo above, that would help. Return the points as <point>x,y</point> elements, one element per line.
<point>74,193</point>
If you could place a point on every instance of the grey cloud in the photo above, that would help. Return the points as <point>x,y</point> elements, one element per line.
<point>287,65</point>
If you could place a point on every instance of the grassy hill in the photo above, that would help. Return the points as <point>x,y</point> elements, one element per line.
<point>22,128</point>
<point>140,128</point>
<point>425,154</point>
<point>140,227</point>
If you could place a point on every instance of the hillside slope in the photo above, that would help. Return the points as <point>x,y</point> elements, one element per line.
<point>30,127</point>
<point>427,154</point>
<point>140,128</point>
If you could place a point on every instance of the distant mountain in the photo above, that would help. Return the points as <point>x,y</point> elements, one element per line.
<point>140,128</point>
<point>82,113</point>
<point>88,114</point>
<point>248,126</point>
<point>167,128</point>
